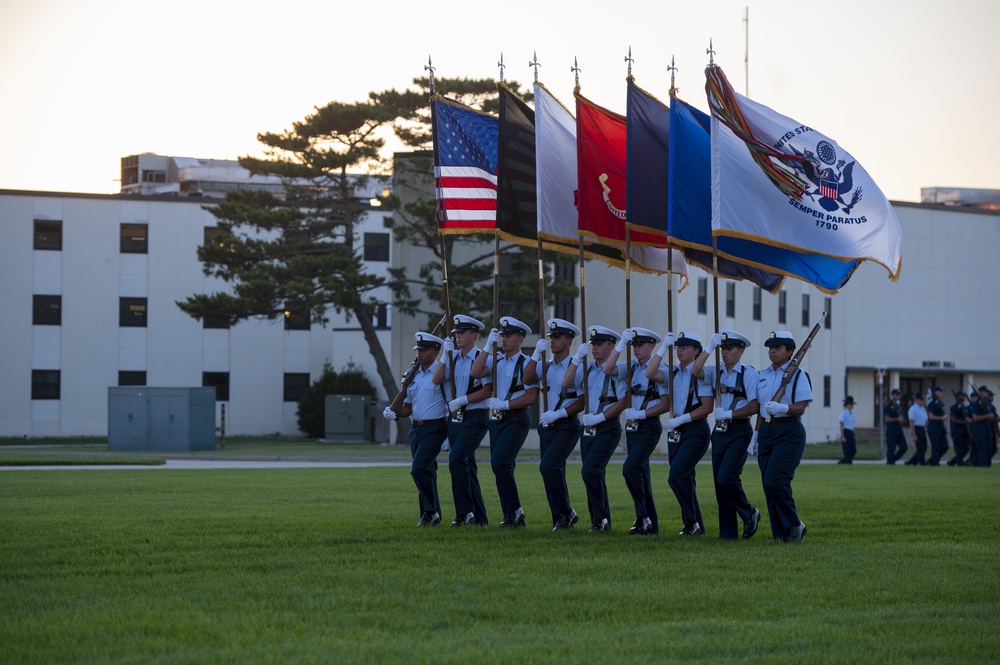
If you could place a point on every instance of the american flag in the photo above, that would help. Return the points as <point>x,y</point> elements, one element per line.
<point>465,167</point>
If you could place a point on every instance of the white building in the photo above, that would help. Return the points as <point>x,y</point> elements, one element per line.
<point>90,284</point>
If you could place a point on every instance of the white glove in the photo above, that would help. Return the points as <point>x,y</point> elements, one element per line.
<point>723,414</point>
<point>389,414</point>
<point>498,404</point>
<point>752,448</point>
<point>458,403</point>
<point>775,409</point>
<point>627,336</point>
<point>668,341</point>
<point>550,417</point>
<point>713,342</point>
<point>591,419</point>
<point>492,338</point>
<point>581,353</point>
<point>674,423</point>
<point>449,345</point>
<point>635,414</point>
<point>540,348</point>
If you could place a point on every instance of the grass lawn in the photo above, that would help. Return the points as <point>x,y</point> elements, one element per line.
<point>326,566</point>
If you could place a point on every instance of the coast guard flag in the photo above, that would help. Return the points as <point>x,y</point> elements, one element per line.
<point>781,183</point>
<point>669,184</point>
<point>465,167</point>
<point>690,217</point>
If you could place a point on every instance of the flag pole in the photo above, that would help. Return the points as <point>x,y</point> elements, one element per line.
<point>541,270</point>
<point>710,52</point>
<point>670,271</point>
<point>583,287</point>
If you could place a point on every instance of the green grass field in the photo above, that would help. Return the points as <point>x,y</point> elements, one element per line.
<point>326,566</point>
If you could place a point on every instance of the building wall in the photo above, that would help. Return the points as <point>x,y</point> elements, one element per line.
<point>90,348</point>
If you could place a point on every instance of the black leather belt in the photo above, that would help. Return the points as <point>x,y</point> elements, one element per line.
<point>433,421</point>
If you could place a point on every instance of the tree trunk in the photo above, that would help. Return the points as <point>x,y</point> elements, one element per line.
<point>390,383</point>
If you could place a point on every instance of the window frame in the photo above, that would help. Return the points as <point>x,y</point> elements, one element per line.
<point>42,311</point>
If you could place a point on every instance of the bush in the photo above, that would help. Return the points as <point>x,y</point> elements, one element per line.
<point>349,381</point>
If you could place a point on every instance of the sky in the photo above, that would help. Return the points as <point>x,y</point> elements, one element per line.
<point>908,87</point>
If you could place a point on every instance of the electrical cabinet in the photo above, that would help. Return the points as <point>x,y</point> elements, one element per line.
<point>161,419</point>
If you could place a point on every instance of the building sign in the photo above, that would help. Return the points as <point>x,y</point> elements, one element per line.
<point>948,364</point>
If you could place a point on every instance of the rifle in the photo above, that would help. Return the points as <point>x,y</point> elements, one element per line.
<point>794,363</point>
<point>410,372</point>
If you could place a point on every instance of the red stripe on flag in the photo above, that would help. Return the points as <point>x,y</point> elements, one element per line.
<point>469,204</point>
<point>467,183</point>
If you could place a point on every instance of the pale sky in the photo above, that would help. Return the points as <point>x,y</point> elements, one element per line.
<point>908,87</point>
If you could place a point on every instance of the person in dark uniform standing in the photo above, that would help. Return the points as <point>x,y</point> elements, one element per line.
<point>688,435</point>
<point>733,431</point>
<point>961,430</point>
<point>602,429</point>
<point>936,418</point>
<point>917,416</point>
<point>848,441</point>
<point>425,403</point>
<point>982,428</point>
<point>509,421</point>
<point>642,427</point>
<point>468,418</point>
<point>558,428</point>
<point>895,441</point>
<point>782,436</point>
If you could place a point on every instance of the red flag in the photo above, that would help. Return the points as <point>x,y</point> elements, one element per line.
<point>601,166</point>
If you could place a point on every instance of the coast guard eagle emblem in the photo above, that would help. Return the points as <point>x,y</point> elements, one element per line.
<point>833,179</point>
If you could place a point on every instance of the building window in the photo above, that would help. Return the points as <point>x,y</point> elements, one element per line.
<point>376,246</point>
<point>45,383</point>
<point>756,303</point>
<point>131,378</point>
<point>214,323</point>
<point>782,307</point>
<point>826,390</point>
<point>731,300</point>
<point>805,310</point>
<point>46,310</point>
<point>381,318</point>
<point>219,381</point>
<point>828,304</point>
<point>132,312</point>
<point>702,295</point>
<point>134,239</point>
<point>295,386</point>
<point>296,318</point>
<point>48,235</point>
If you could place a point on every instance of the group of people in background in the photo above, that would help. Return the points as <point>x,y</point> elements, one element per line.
<point>972,420</point>
<point>973,426</point>
<point>466,394</point>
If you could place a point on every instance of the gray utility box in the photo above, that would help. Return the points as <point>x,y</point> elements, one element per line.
<point>165,419</point>
<point>348,418</point>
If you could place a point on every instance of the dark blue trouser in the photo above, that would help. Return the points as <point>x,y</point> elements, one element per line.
<point>729,454</point>
<point>781,443</point>
<point>640,445</point>
<point>960,437</point>
<point>506,438</point>
<point>556,442</point>
<point>850,445</point>
<point>982,444</point>
<point>895,444</point>
<point>425,444</point>
<point>465,438</point>
<point>939,443</point>
<point>684,457</point>
<point>596,452</point>
<point>919,455</point>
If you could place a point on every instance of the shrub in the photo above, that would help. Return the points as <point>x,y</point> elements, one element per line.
<point>349,381</point>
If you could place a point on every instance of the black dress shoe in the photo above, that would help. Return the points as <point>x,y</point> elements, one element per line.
<point>641,526</point>
<point>751,524</point>
<point>429,519</point>
<point>691,529</point>
<point>464,520</point>
<point>796,533</point>
<point>602,525</point>
<point>513,519</point>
